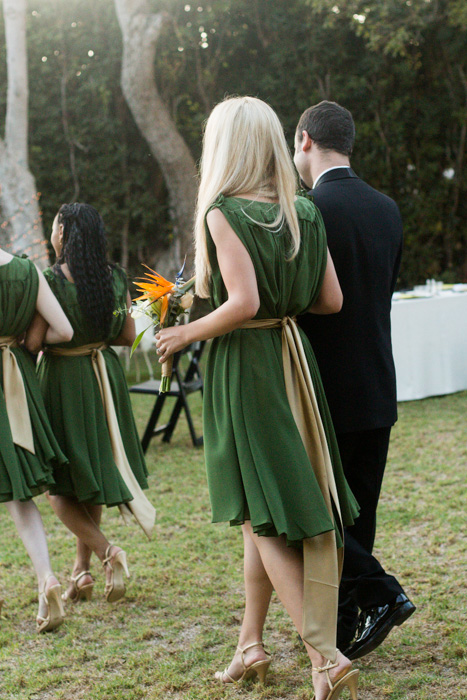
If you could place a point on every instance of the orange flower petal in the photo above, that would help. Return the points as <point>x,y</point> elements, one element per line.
<point>165,306</point>
<point>158,276</point>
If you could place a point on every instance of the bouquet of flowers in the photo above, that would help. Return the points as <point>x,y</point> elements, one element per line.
<point>164,303</point>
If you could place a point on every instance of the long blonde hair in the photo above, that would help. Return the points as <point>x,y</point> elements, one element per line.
<point>244,151</point>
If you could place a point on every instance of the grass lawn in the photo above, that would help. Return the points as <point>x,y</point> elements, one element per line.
<point>179,621</point>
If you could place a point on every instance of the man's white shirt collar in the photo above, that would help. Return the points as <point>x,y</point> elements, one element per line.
<point>334,167</point>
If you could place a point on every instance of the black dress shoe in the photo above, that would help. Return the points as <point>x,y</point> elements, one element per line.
<point>375,624</point>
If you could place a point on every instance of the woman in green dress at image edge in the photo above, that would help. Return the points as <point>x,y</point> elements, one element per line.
<point>73,378</point>
<point>28,449</point>
<point>271,455</point>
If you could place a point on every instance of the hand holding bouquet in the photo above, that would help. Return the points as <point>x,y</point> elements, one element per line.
<point>164,303</point>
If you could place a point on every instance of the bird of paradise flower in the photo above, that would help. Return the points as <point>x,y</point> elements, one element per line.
<point>164,303</point>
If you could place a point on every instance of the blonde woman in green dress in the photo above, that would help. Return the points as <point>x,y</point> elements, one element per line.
<point>272,461</point>
<point>86,397</point>
<point>28,449</point>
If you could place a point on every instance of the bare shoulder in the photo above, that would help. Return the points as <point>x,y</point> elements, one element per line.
<point>216,218</point>
<point>219,226</point>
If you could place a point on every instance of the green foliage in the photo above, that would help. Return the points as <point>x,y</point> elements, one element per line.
<point>78,42</point>
<point>400,67</point>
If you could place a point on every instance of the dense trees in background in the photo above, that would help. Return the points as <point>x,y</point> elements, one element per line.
<point>141,29</point>
<point>21,230</point>
<point>399,66</point>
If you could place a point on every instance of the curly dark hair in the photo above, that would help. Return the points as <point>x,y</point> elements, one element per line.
<point>85,252</point>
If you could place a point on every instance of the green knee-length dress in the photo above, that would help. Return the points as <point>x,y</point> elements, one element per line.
<point>257,465</point>
<point>22,473</point>
<point>74,404</point>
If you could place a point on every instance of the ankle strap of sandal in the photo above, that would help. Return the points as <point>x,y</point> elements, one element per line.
<point>107,556</point>
<point>250,646</point>
<point>329,665</point>
<point>79,576</point>
<point>326,669</point>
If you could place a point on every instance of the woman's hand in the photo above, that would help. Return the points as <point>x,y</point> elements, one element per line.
<point>171,340</point>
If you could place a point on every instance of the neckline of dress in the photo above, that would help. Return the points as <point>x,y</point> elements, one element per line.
<point>253,201</point>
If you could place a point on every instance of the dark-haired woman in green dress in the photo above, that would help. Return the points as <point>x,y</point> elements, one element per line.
<point>87,399</point>
<point>28,449</point>
<point>271,454</point>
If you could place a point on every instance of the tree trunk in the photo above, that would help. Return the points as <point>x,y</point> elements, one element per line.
<point>140,30</point>
<point>19,200</point>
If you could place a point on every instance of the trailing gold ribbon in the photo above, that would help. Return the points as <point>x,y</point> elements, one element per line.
<point>15,396</point>
<point>141,509</point>
<point>322,559</point>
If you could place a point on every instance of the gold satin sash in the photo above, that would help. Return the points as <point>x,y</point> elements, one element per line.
<point>322,560</point>
<point>15,396</point>
<point>141,509</point>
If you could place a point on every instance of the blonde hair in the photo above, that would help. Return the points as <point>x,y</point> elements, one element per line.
<point>244,151</point>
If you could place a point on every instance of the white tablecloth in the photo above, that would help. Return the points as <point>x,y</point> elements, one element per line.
<point>429,338</point>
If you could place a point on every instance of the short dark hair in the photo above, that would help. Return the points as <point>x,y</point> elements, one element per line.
<point>330,126</point>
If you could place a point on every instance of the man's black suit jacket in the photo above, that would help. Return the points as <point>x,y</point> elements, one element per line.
<point>353,347</point>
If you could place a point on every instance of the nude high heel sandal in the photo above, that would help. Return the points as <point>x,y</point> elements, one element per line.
<point>259,668</point>
<point>53,601</point>
<point>77,593</point>
<point>115,588</point>
<point>349,680</point>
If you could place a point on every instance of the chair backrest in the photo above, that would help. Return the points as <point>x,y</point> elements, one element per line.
<point>194,350</point>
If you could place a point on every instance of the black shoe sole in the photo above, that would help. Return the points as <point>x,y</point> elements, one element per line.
<point>398,618</point>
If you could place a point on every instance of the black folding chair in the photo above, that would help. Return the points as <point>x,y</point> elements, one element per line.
<point>182,386</point>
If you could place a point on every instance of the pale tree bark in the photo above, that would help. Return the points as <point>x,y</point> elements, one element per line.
<point>21,220</point>
<point>141,29</point>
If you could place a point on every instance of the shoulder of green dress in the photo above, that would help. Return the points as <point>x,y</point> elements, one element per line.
<point>306,209</point>
<point>217,204</point>
<point>120,278</point>
<point>23,266</point>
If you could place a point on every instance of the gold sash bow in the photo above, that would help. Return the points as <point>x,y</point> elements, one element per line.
<point>141,509</point>
<point>322,560</point>
<point>15,396</point>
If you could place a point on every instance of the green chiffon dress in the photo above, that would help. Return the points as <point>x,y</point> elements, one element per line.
<point>73,401</point>
<point>23,474</point>
<point>257,465</point>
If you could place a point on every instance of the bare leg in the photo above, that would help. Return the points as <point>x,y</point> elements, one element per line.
<point>258,590</point>
<point>284,567</point>
<point>83,552</point>
<point>28,521</point>
<point>78,520</point>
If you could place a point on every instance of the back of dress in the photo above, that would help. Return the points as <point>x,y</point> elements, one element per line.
<point>19,284</point>
<point>83,332</point>
<point>285,288</point>
<point>271,451</point>
<point>257,465</point>
<point>24,471</point>
<point>73,399</point>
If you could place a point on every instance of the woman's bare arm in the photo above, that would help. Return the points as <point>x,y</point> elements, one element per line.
<point>330,297</point>
<point>50,323</point>
<point>238,274</point>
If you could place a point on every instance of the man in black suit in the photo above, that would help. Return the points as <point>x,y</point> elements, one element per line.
<point>354,354</point>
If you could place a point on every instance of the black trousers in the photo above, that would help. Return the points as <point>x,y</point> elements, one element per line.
<point>365,584</point>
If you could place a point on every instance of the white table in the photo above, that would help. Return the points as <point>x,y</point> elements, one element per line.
<point>429,340</point>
